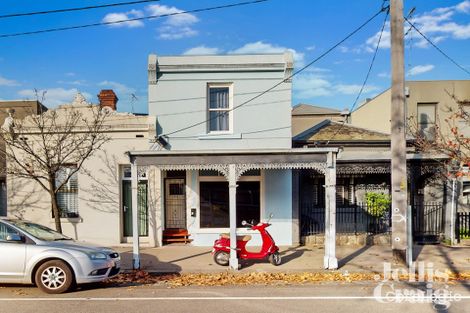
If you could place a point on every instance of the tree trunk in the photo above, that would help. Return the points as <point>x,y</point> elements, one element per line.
<point>55,209</point>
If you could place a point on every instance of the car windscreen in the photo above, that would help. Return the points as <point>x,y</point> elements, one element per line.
<point>38,231</point>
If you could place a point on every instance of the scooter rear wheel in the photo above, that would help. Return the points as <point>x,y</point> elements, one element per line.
<point>221,258</point>
<point>275,259</point>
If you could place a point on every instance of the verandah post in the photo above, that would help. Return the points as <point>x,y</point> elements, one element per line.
<point>330,261</point>
<point>232,185</point>
<point>135,217</point>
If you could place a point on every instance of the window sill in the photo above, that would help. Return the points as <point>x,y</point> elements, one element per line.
<point>70,220</point>
<point>212,136</point>
<point>241,230</point>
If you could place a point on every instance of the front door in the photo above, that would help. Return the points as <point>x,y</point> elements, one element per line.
<point>127,208</point>
<point>175,203</point>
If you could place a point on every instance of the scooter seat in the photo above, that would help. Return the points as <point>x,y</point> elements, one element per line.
<point>241,238</point>
<point>244,238</point>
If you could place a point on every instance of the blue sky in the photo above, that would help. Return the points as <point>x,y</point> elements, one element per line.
<point>91,59</point>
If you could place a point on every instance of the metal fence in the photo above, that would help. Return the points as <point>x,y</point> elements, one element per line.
<point>462,225</point>
<point>352,219</point>
<point>428,222</point>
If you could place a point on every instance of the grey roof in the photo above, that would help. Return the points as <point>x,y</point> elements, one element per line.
<point>308,109</point>
<point>334,131</point>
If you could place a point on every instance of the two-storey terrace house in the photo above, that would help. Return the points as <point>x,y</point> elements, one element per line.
<point>223,151</point>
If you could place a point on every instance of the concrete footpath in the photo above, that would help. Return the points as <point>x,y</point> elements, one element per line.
<point>178,258</point>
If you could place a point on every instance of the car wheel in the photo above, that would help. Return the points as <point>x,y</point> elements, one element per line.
<point>275,259</point>
<point>54,277</point>
<point>221,258</point>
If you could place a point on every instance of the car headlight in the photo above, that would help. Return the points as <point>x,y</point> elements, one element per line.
<point>97,256</point>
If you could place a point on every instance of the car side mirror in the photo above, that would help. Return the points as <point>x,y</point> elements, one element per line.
<point>15,238</point>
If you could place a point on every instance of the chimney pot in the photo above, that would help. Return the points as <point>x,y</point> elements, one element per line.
<point>108,98</point>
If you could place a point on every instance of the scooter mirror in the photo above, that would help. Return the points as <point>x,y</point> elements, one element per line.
<point>244,223</point>
<point>271,215</point>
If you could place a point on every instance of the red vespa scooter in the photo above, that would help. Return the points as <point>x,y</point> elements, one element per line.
<point>221,250</point>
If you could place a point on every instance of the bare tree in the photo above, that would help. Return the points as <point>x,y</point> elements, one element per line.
<point>39,147</point>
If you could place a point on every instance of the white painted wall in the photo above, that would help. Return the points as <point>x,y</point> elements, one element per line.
<point>99,194</point>
<point>276,198</point>
<point>179,99</point>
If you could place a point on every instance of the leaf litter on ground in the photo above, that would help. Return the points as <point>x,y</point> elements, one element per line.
<point>261,278</point>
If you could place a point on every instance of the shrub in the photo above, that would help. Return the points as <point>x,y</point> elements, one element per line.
<point>377,203</point>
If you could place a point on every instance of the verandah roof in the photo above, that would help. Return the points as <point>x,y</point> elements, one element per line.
<point>244,160</point>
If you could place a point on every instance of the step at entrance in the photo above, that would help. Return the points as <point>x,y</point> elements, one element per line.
<point>176,235</point>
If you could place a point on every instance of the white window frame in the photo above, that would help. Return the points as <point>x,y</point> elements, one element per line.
<point>76,195</point>
<point>229,109</point>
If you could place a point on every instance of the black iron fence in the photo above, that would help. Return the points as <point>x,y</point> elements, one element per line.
<point>428,222</point>
<point>462,225</point>
<point>352,219</point>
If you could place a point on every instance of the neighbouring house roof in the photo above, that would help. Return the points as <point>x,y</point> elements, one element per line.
<point>334,131</point>
<point>308,109</point>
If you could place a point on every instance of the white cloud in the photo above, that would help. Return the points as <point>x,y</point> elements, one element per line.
<point>463,6</point>
<point>437,24</point>
<point>201,50</point>
<point>384,75</point>
<point>53,96</point>
<point>120,89</point>
<point>176,25</point>
<point>78,82</point>
<point>70,74</point>
<point>116,17</point>
<point>354,89</point>
<point>311,85</point>
<point>174,20</point>
<point>171,33</point>
<point>264,47</point>
<point>345,49</point>
<point>419,69</point>
<point>8,82</point>
<point>310,48</point>
<point>371,42</point>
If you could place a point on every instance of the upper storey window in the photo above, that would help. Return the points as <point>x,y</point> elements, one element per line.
<point>427,120</point>
<point>220,105</point>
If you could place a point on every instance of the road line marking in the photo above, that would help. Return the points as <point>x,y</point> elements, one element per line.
<point>221,298</point>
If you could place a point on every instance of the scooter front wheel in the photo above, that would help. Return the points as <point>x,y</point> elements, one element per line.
<point>222,258</point>
<point>275,258</point>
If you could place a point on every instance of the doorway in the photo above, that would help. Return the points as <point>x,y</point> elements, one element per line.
<point>142,208</point>
<point>175,203</point>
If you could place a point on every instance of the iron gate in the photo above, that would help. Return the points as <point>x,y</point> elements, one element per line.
<point>428,222</point>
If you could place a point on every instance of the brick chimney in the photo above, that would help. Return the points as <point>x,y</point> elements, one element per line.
<point>108,98</point>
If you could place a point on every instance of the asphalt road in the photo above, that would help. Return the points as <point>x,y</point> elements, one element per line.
<point>357,297</point>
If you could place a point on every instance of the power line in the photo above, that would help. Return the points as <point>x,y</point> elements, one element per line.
<point>367,75</point>
<point>287,78</point>
<point>436,47</point>
<point>49,30</point>
<point>76,9</point>
<point>245,133</point>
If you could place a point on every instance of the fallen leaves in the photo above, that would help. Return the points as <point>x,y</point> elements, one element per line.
<point>258,278</point>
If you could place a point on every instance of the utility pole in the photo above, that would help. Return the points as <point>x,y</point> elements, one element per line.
<point>398,142</point>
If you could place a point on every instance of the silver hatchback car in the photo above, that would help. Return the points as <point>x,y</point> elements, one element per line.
<point>34,254</point>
